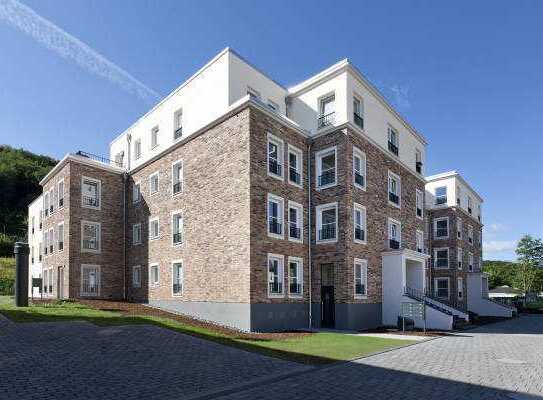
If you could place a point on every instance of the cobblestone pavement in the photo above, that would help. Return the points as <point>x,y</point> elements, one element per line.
<point>76,360</point>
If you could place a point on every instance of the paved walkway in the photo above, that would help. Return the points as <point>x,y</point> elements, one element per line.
<point>76,360</point>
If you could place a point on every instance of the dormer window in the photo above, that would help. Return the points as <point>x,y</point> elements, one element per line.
<point>357,113</point>
<point>393,142</point>
<point>441,195</point>
<point>327,111</point>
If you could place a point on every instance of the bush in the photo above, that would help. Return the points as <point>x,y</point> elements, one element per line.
<point>7,276</point>
<point>6,245</point>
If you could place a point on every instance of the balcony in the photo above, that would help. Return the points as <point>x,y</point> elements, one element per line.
<point>275,228</point>
<point>295,288</point>
<point>90,201</point>
<point>393,148</point>
<point>294,176</point>
<point>358,120</point>
<point>275,287</point>
<point>294,232</point>
<point>359,179</point>
<point>418,167</point>
<point>394,198</point>
<point>327,233</point>
<point>394,244</point>
<point>274,167</point>
<point>327,178</point>
<point>177,187</point>
<point>178,133</point>
<point>326,120</point>
<point>359,234</point>
<point>177,238</point>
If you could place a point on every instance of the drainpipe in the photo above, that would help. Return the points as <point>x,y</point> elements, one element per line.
<point>125,184</point>
<point>309,213</point>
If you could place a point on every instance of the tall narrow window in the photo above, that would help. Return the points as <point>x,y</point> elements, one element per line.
<point>154,228</point>
<point>137,149</point>
<point>32,225</point>
<point>275,157</point>
<point>275,275</point>
<point>154,137</point>
<point>460,288</point>
<point>46,204</point>
<point>419,204</point>
<point>394,234</point>
<point>177,278</point>
<point>441,228</point>
<point>295,221</point>
<point>470,262</point>
<point>358,113</point>
<point>177,228</point>
<point>45,281</point>
<point>90,280</point>
<point>458,196</point>
<point>275,216</point>
<point>326,168</point>
<point>418,161</point>
<point>51,240</point>
<point>393,142</point>
<point>154,183</point>
<point>178,124</point>
<point>470,205</point>
<point>359,168</point>
<point>359,222</point>
<point>136,234</point>
<point>90,236</point>
<point>441,258</point>
<point>458,228</point>
<point>441,286</point>
<point>136,276</point>
<point>60,237</point>
<point>420,241</point>
<point>294,165</point>
<point>136,192</point>
<point>154,275</point>
<point>52,200</point>
<point>360,278</point>
<point>61,194</point>
<point>177,177</point>
<point>394,189</point>
<point>441,195</point>
<point>327,225</point>
<point>90,193</point>
<point>470,234</point>
<point>295,276</point>
<point>327,111</point>
<point>459,257</point>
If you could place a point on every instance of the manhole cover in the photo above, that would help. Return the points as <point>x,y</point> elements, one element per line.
<point>510,361</point>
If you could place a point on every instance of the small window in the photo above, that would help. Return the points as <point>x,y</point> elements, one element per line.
<point>441,228</point>
<point>60,236</point>
<point>459,257</point>
<point>61,194</point>
<point>394,189</point>
<point>177,278</point>
<point>136,234</point>
<point>470,262</point>
<point>470,205</point>
<point>90,193</point>
<point>137,149</point>
<point>294,165</point>
<point>442,288</point>
<point>359,169</point>
<point>418,161</point>
<point>275,157</point>
<point>154,183</point>
<point>136,276</point>
<point>275,275</point>
<point>295,276</point>
<point>177,177</point>
<point>420,241</point>
<point>52,201</point>
<point>358,114</point>
<point>46,204</point>
<point>393,142</point>
<point>327,223</point>
<point>470,234</point>
<point>441,258</point>
<point>90,280</point>
<point>51,240</point>
<point>359,223</point>
<point>459,228</point>
<point>154,229</point>
<point>154,137</point>
<point>360,278</point>
<point>327,111</point>
<point>441,195</point>
<point>44,281</point>
<point>458,196</point>
<point>295,221</point>
<point>136,192</point>
<point>479,213</point>
<point>326,168</point>
<point>419,204</point>
<point>178,124</point>
<point>154,275</point>
<point>90,237</point>
<point>460,288</point>
<point>177,228</point>
<point>275,216</point>
<point>394,234</point>
<point>119,159</point>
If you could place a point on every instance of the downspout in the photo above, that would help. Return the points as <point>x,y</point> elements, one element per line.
<point>125,180</point>
<point>309,212</point>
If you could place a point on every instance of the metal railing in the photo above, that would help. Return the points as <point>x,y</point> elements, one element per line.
<point>393,148</point>
<point>327,233</point>
<point>275,287</point>
<point>177,238</point>
<point>358,179</point>
<point>100,159</point>
<point>294,231</point>
<point>177,187</point>
<point>90,201</point>
<point>394,198</point>
<point>178,133</point>
<point>358,120</point>
<point>327,177</point>
<point>326,120</point>
<point>359,234</point>
<point>275,167</point>
<point>275,227</point>
<point>294,176</point>
<point>393,244</point>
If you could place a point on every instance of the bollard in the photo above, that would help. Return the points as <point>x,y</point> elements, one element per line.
<point>21,274</point>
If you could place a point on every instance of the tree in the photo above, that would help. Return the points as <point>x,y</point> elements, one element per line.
<point>530,259</point>
<point>500,273</point>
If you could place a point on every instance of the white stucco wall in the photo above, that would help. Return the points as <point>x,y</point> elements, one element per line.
<point>478,303</point>
<point>34,242</point>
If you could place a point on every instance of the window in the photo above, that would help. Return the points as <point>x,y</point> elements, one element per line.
<point>295,221</point>
<point>51,280</point>
<point>31,254</point>
<point>460,288</point>
<point>327,222</point>
<point>177,278</point>
<point>90,280</point>
<point>32,224</point>
<point>459,256</point>
<point>394,234</point>
<point>90,193</point>
<point>177,177</point>
<point>326,168</point>
<point>45,242</point>
<point>470,262</point>
<point>46,204</point>
<point>275,216</point>
<point>275,275</point>
<point>61,193</point>
<point>137,149</point>
<point>441,228</point>
<point>90,237</point>
<point>470,234</point>
<point>154,277</point>
<point>441,258</point>
<point>441,195</point>
<point>44,281</point>
<point>136,276</point>
<point>358,112</point>
<point>359,223</point>
<point>458,196</point>
<point>327,111</point>
<point>479,213</point>
<point>154,137</point>
<point>51,240</point>
<point>360,278</point>
<point>273,106</point>
<point>40,251</point>
<point>178,124</point>
<point>418,161</point>
<point>394,189</point>
<point>177,228</point>
<point>136,234</point>
<point>459,228</point>
<point>295,276</point>
<point>441,288</point>
<point>294,165</point>
<point>154,228</point>
<point>420,241</point>
<point>119,159</point>
<point>60,236</point>
<point>52,201</point>
<point>359,169</point>
<point>419,200</point>
<point>275,157</point>
<point>393,142</point>
<point>136,192</point>
<point>470,205</point>
<point>154,183</point>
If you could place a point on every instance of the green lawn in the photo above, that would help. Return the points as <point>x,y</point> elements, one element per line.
<point>318,348</point>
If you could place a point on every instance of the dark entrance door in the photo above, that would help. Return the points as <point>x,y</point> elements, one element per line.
<point>328,303</point>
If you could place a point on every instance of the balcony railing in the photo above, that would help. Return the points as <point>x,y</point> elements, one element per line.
<point>328,177</point>
<point>326,120</point>
<point>294,176</point>
<point>274,167</point>
<point>360,289</point>
<point>418,167</point>
<point>393,148</point>
<point>359,234</point>
<point>275,287</point>
<point>90,244</point>
<point>358,120</point>
<point>177,238</point>
<point>276,227</point>
<point>178,133</point>
<point>90,201</point>
<point>394,244</point>
<point>177,288</point>
<point>100,159</point>
<point>60,246</point>
<point>358,179</point>
<point>294,232</point>
<point>177,187</point>
<point>295,288</point>
<point>327,233</point>
<point>394,198</point>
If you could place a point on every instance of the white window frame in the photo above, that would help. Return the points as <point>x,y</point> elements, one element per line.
<point>470,235</point>
<point>319,209</point>
<point>459,234</point>
<point>155,130</point>
<point>299,223</point>
<point>176,124</point>
<point>52,201</point>
<point>280,217</point>
<point>46,204</point>
<point>152,282</point>
<point>136,283</point>
<point>357,153</point>
<point>299,164</point>
<point>318,167</point>
<point>60,193</point>
<point>181,227</point>
<point>137,149</point>
<point>60,224</point>
<point>460,288</point>
<point>459,259</point>
<point>182,276</point>
<point>299,276</point>
<point>98,238</point>
<point>280,156</point>
<point>438,249</point>
<point>137,227</point>
<point>446,196</point>
<point>151,220</point>
<point>392,221</point>
<point>392,176</point>
<point>157,174</point>
<point>98,280</point>
<point>440,219</point>
<point>180,177</point>
<point>364,226</point>
<point>395,142</point>
<point>471,262</point>
<point>436,291</point>
<point>363,266</point>
<point>51,240</point>
<point>280,273</point>
<point>98,189</point>
<point>419,239</point>
<point>136,192</point>
<point>419,204</point>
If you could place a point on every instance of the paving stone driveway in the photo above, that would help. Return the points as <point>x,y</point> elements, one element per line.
<point>82,361</point>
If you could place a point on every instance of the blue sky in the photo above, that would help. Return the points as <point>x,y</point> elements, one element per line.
<point>468,75</point>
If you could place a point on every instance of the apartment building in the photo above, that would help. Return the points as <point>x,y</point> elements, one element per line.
<point>253,205</point>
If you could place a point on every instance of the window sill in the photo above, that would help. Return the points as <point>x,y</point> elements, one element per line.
<point>326,241</point>
<point>360,296</point>
<point>295,240</point>
<point>327,186</point>
<point>275,236</point>
<point>276,295</point>
<point>136,244</point>
<point>398,206</point>
<point>177,295</point>
<point>177,244</point>
<point>443,268</point>
<point>90,207</point>
<point>356,185</point>
<point>360,241</point>
<point>274,176</point>
<point>295,296</point>
<point>154,238</point>
<point>441,237</point>
<point>152,194</point>
<point>91,251</point>
<point>298,185</point>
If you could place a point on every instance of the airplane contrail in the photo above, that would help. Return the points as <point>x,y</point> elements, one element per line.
<point>69,47</point>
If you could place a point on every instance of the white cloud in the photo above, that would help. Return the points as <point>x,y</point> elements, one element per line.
<point>499,246</point>
<point>69,47</point>
<point>401,96</point>
<point>495,227</point>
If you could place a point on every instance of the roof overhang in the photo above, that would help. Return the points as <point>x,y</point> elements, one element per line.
<point>453,174</point>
